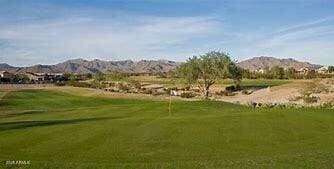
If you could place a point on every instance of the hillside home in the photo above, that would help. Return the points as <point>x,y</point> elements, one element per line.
<point>44,76</point>
<point>35,76</point>
<point>260,71</point>
<point>4,74</point>
<point>304,70</point>
<point>323,70</point>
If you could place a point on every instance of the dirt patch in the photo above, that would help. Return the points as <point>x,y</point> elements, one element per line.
<point>268,95</point>
<point>284,94</point>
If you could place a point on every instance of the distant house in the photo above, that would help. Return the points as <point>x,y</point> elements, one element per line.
<point>56,76</point>
<point>323,70</point>
<point>260,71</point>
<point>304,70</point>
<point>44,76</point>
<point>35,76</point>
<point>4,74</point>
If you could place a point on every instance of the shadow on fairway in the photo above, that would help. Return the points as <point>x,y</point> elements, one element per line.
<point>26,124</point>
<point>27,112</point>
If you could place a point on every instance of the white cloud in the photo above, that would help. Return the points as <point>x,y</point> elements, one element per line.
<point>311,41</point>
<point>115,38</point>
<point>298,35</point>
<point>303,25</point>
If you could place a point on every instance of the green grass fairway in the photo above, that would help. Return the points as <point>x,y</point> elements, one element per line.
<point>58,130</point>
<point>257,82</point>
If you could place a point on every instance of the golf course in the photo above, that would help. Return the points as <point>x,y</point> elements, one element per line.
<point>59,129</point>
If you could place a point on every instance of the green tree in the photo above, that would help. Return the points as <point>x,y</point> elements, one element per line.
<point>267,73</point>
<point>205,70</point>
<point>330,69</point>
<point>277,72</point>
<point>21,78</point>
<point>99,77</point>
<point>290,73</point>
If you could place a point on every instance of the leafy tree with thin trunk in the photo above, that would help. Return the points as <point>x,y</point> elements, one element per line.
<point>330,69</point>
<point>277,72</point>
<point>206,70</point>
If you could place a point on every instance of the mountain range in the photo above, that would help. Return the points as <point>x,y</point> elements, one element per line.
<point>85,66</point>
<point>146,66</point>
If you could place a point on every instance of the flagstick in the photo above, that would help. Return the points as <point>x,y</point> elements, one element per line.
<point>170,105</point>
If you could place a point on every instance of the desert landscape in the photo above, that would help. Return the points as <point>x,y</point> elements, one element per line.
<point>166,84</point>
<point>155,120</point>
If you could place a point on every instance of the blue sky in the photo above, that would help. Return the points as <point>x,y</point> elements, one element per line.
<point>47,32</point>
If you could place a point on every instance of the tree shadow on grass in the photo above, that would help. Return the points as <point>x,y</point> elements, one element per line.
<point>26,112</point>
<point>27,124</point>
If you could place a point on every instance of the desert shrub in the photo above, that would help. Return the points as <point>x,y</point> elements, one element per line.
<point>291,105</point>
<point>246,92</point>
<point>167,91</point>
<point>308,98</point>
<point>238,87</point>
<point>233,88</point>
<point>225,93</point>
<point>123,86</point>
<point>148,91</point>
<point>187,95</point>
<point>286,105</point>
<point>327,105</point>
<point>155,92</point>
<point>252,104</point>
<point>136,84</point>
<point>230,88</point>
<point>267,105</point>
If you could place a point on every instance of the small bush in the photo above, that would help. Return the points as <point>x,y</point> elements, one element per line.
<point>155,92</point>
<point>246,92</point>
<point>230,88</point>
<point>187,88</point>
<point>309,99</point>
<point>327,105</point>
<point>268,105</point>
<point>233,88</point>
<point>148,91</point>
<point>167,91</point>
<point>187,95</point>
<point>225,93</point>
<point>136,84</point>
<point>252,104</point>
<point>123,86</point>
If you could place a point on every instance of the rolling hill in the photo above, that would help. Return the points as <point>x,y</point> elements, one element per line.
<point>262,62</point>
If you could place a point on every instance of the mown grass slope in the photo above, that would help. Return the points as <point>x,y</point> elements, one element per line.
<point>59,130</point>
